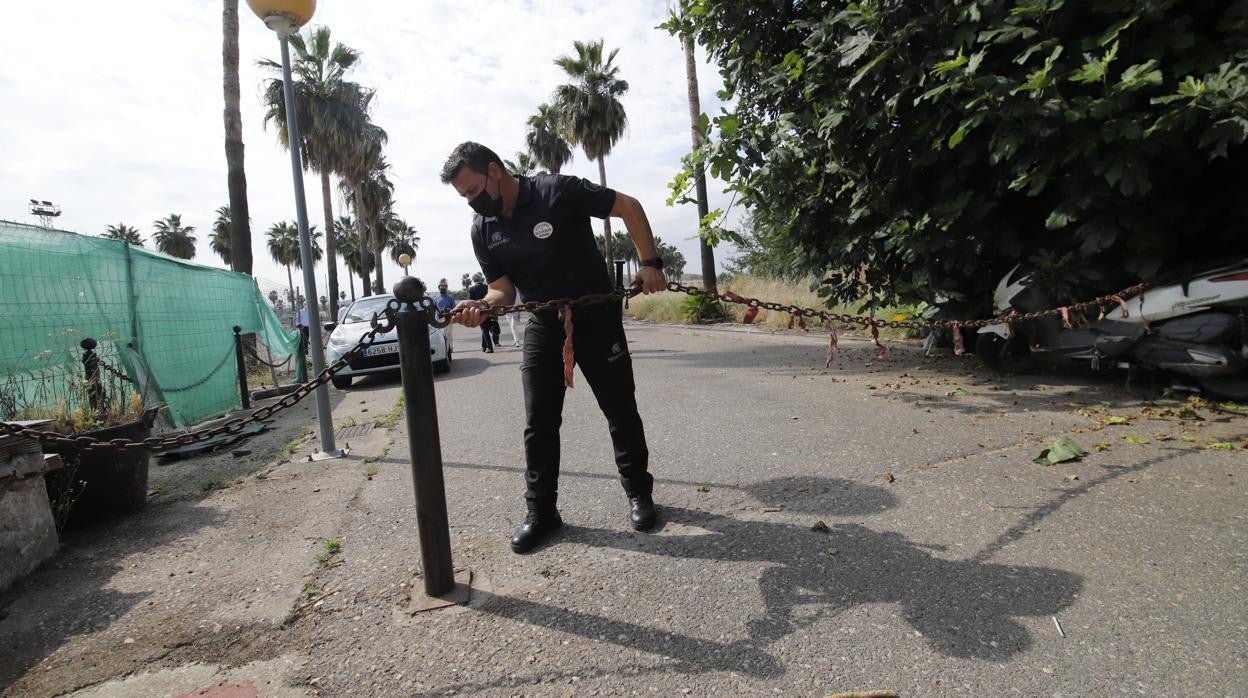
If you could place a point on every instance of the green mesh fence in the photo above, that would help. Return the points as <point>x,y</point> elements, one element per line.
<point>165,324</point>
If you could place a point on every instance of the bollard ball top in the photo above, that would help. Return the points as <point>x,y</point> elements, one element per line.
<point>87,344</point>
<point>409,289</point>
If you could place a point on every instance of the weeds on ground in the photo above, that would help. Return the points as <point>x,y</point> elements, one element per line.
<point>370,471</point>
<point>348,422</point>
<point>289,449</point>
<point>392,417</point>
<point>328,557</point>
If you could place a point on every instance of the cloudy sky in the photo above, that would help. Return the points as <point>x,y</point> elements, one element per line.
<point>114,110</point>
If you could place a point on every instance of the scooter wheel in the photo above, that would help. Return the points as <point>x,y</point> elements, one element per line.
<point>1233,388</point>
<point>1007,356</point>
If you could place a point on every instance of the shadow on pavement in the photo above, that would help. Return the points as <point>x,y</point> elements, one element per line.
<point>70,595</point>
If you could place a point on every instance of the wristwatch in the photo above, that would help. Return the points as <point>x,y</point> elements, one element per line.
<point>656,262</point>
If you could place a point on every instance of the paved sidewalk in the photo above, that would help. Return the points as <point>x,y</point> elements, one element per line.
<point>878,525</point>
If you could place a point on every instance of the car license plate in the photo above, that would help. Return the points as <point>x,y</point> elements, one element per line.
<point>383,349</point>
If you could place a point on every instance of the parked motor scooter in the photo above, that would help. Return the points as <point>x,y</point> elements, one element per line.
<point>1196,327</point>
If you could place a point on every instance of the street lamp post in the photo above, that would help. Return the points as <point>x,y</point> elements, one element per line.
<point>285,17</point>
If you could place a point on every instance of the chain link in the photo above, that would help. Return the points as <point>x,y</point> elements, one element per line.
<point>255,356</point>
<point>205,379</point>
<point>108,367</point>
<point>232,426</point>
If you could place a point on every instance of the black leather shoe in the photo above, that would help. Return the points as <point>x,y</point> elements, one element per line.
<point>643,515</point>
<point>535,527</point>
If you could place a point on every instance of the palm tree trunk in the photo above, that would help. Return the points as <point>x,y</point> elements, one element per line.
<point>290,281</point>
<point>362,230</point>
<point>331,257</point>
<point>606,222</point>
<point>351,284</point>
<point>236,176</point>
<point>379,280</point>
<point>695,112</point>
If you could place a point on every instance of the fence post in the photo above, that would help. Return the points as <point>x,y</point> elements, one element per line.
<point>242,367</point>
<point>91,368</point>
<point>619,275</point>
<point>301,360</point>
<point>424,445</point>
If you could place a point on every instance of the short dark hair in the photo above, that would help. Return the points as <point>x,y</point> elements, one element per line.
<point>472,155</point>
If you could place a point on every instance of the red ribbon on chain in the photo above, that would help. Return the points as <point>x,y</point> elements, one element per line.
<point>959,344</point>
<point>882,353</point>
<point>1125,313</point>
<point>1065,317</point>
<point>569,360</point>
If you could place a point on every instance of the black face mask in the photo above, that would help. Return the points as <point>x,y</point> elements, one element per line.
<point>486,205</point>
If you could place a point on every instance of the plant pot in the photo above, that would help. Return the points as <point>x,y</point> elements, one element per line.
<point>98,484</point>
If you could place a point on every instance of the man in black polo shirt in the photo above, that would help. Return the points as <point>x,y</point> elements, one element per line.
<point>533,234</point>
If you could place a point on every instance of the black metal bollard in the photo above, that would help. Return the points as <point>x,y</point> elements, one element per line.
<point>241,367</point>
<point>425,447</point>
<point>91,367</point>
<point>619,275</point>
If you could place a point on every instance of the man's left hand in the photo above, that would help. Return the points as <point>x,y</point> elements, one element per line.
<point>650,280</point>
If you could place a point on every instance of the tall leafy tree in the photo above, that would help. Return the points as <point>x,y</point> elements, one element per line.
<point>707,252</point>
<point>332,112</point>
<point>236,176</point>
<point>219,241</point>
<point>542,136</point>
<point>591,114</point>
<point>173,238</point>
<point>356,259</point>
<point>373,197</point>
<point>125,233</point>
<point>403,240</point>
<point>923,149</point>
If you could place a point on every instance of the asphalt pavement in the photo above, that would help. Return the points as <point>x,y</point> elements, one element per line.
<point>877,525</point>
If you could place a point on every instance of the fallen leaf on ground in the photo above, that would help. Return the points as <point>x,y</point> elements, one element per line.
<point>1188,439</point>
<point>832,551</point>
<point>1136,440</point>
<point>1162,437</point>
<point>820,527</point>
<point>958,392</point>
<point>772,510</point>
<point>888,477</point>
<point>1060,451</point>
<point>1112,420</point>
<point>1219,446</point>
<point>1071,478</point>
<point>1102,446</point>
<point>702,488</point>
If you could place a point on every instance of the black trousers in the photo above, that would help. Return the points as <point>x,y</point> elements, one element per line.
<point>601,351</point>
<point>489,333</point>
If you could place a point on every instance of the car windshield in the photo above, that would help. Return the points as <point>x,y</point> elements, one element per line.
<point>363,310</point>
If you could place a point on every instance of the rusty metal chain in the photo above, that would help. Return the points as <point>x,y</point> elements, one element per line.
<point>108,367</point>
<point>1114,299</point>
<point>556,304</point>
<point>232,426</point>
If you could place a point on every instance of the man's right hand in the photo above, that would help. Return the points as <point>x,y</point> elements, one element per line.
<point>470,313</point>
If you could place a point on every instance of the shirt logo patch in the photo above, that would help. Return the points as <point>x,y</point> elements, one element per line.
<point>617,353</point>
<point>498,238</point>
<point>543,230</point>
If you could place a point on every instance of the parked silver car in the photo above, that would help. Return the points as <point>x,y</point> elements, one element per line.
<point>383,354</point>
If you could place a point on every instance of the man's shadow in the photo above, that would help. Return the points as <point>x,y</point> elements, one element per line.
<point>963,608</point>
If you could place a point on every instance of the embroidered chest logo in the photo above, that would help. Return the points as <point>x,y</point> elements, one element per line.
<point>498,238</point>
<point>617,353</point>
<point>543,230</point>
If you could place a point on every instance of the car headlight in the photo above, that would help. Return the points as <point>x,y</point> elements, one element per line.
<point>339,341</point>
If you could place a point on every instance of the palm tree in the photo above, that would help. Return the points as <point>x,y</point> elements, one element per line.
<point>219,241</point>
<point>123,232</point>
<point>373,197</point>
<point>363,163</point>
<point>332,111</point>
<point>695,115</point>
<point>348,241</point>
<point>467,282</point>
<point>236,176</point>
<point>403,241</point>
<point>590,110</point>
<point>173,238</point>
<point>284,247</point>
<point>523,166</point>
<point>549,148</point>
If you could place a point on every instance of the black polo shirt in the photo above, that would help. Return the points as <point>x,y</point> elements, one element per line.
<point>547,247</point>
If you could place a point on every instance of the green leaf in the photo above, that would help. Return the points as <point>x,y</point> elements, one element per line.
<point>1219,446</point>
<point>953,64</point>
<point>854,48</point>
<point>1135,440</point>
<point>728,126</point>
<point>957,137</point>
<point>1063,450</point>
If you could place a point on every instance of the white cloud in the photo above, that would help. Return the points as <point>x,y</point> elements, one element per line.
<point>114,110</point>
